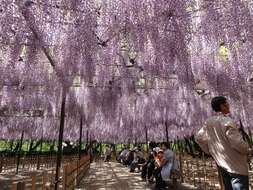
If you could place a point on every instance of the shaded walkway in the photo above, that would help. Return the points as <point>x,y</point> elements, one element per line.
<point>113,176</point>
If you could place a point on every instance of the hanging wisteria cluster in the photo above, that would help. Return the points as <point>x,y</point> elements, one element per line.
<point>131,69</point>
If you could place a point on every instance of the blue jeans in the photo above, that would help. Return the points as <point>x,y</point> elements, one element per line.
<point>234,181</point>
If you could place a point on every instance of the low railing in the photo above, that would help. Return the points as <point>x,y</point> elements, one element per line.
<point>71,173</point>
<point>8,164</point>
<point>203,173</point>
<point>74,172</point>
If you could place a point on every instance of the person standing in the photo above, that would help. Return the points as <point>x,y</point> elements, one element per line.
<point>221,139</point>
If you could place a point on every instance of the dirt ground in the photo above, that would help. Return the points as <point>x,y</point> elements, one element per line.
<point>113,176</point>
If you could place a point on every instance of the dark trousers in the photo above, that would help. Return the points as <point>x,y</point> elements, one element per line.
<point>148,169</point>
<point>144,171</point>
<point>135,164</point>
<point>151,169</point>
<point>159,183</point>
<point>234,181</point>
<point>107,158</point>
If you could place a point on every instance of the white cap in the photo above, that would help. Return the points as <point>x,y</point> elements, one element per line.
<point>157,149</point>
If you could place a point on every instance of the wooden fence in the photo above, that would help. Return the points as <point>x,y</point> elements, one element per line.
<point>32,162</point>
<point>203,173</point>
<point>71,173</point>
<point>74,172</point>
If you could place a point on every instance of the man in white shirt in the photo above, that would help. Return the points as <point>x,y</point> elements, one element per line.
<point>221,139</point>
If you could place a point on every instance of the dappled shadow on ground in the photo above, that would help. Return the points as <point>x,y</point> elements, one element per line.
<point>113,176</point>
<point>6,180</point>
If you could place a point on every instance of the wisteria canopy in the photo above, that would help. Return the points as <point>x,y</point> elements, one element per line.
<point>130,68</point>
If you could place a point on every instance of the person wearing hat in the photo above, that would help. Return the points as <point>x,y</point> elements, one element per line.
<point>165,164</point>
<point>138,159</point>
<point>149,166</point>
<point>159,182</point>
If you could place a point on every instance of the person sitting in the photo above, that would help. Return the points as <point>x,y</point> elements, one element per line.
<point>167,166</point>
<point>170,170</point>
<point>108,153</point>
<point>138,159</point>
<point>159,162</point>
<point>129,158</point>
<point>149,166</point>
<point>123,155</point>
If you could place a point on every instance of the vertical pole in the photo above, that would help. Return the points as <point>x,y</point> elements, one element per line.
<point>205,173</point>
<point>80,138</point>
<point>19,151</point>
<point>250,144</point>
<point>65,177</point>
<point>38,155</point>
<point>167,132</point>
<point>87,137</point>
<point>91,149</point>
<point>100,150</point>
<point>250,135</point>
<point>198,173</point>
<point>34,182</point>
<point>146,137</point>
<point>181,167</point>
<point>11,144</point>
<point>44,180</point>
<point>135,141</point>
<point>189,174</point>
<point>60,139</point>
<point>14,186</point>
<point>1,164</point>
